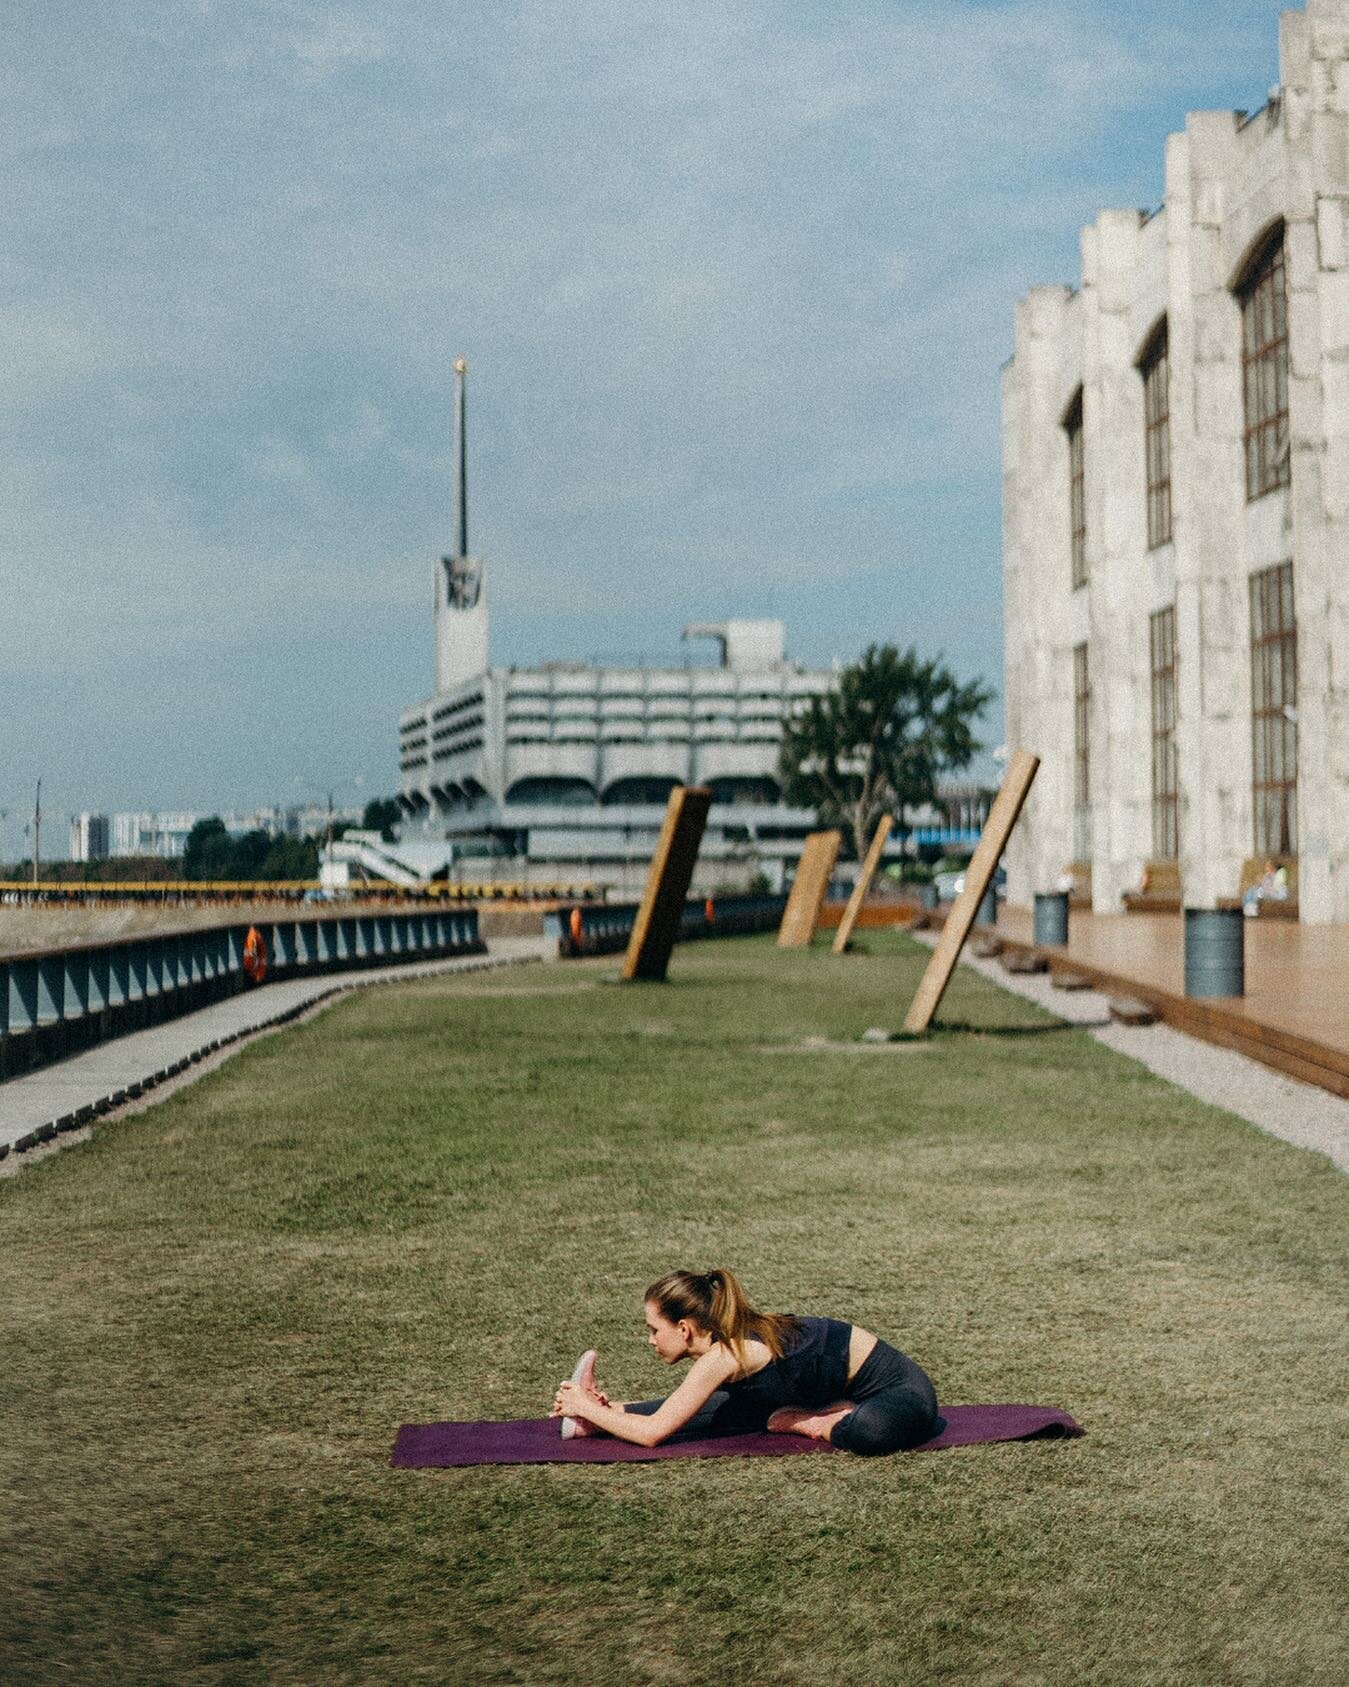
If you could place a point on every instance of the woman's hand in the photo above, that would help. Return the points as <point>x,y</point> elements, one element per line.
<point>573,1401</point>
<point>564,1411</point>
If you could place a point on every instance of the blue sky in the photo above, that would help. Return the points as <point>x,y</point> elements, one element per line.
<point>734,280</point>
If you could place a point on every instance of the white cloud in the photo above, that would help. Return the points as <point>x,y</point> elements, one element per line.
<point>278,460</point>
<point>327,42</point>
<point>361,432</point>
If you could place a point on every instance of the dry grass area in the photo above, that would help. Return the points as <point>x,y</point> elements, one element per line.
<point>425,1202</point>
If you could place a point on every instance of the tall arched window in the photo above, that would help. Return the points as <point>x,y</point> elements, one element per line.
<point>1263,295</point>
<point>1077,501</point>
<point>1274,710</point>
<point>1081,755</point>
<point>1165,772</point>
<point>1155,368</point>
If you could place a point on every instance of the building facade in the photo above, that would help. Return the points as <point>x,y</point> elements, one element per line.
<point>565,770</point>
<point>1176,516</point>
<point>568,767</point>
<point>162,835</point>
<point>90,837</point>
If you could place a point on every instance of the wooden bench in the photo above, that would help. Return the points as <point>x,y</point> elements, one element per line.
<point>1268,907</point>
<point>1159,892</point>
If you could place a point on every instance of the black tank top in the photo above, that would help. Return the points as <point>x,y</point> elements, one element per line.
<point>812,1372</point>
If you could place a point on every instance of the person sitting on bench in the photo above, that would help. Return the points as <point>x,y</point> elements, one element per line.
<point>755,1370</point>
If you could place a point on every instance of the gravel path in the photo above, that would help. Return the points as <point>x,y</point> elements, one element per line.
<point>1301,1114</point>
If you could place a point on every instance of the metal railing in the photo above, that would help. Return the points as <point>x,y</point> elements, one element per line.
<point>603,928</point>
<point>55,1002</point>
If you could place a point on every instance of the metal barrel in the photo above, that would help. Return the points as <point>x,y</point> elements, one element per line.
<point>1051,916</point>
<point>1215,952</point>
<point>988,908</point>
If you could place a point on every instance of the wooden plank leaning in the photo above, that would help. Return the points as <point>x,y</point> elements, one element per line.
<point>863,885</point>
<point>667,884</point>
<point>978,876</point>
<point>802,913</point>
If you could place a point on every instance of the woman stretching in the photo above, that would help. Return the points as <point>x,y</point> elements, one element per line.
<point>756,1370</point>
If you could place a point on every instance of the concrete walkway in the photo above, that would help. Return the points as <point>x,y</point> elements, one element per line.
<point>74,1092</point>
<point>1294,1014</point>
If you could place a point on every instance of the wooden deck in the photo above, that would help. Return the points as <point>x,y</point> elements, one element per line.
<point>1293,1017</point>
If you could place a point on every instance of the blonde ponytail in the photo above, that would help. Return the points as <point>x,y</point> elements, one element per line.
<point>715,1302</point>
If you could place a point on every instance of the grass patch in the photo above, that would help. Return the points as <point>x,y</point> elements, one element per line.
<point>425,1202</point>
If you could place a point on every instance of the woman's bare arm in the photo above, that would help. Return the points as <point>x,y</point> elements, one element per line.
<point>706,1375</point>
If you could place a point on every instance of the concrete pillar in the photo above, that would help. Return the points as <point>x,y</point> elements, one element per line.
<point>1119,587</point>
<point>1212,629</point>
<point>1037,601</point>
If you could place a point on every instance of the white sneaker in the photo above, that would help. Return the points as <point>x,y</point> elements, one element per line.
<point>584,1377</point>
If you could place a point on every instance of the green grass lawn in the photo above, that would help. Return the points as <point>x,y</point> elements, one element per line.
<point>426,1201</point>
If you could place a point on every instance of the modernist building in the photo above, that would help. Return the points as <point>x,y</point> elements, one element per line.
<point>1176,515</point>
<point>567,768</point>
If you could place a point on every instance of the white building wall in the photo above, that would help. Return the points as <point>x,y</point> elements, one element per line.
<point>1316,99</point>
<point>89,837</point>
<point>1044,617</point>
<point>1228,181</point>
<point>164,835</point>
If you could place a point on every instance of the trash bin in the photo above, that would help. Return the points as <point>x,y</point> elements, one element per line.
<point>928,897</point>
<point>988,908</point>
<point>1215,952</point>
<point>1051,916</point>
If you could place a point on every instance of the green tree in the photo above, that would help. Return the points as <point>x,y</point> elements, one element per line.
<point>290,858</point>
<point>212,854</point>
<point>877,743</point>
<point>381,815</point>
<point>209,851</point>
<point>250,852</point>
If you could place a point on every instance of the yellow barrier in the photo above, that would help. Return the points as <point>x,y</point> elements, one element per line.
<point>282,890</point>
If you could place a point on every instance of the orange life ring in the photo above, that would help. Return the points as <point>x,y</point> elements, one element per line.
<point>576,925</point>
<point>710,911</point>
<point>255,955</point>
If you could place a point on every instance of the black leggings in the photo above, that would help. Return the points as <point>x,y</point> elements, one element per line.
<point>894,1407</point>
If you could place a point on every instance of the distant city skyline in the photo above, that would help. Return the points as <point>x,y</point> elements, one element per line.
<point>120,834</point>
<point>733,287</point>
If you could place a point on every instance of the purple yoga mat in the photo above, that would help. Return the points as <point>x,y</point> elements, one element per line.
<point>539,1440</point>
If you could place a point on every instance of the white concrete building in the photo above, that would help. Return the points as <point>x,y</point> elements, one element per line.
<point>163,835</point>
<point>566,768</point>
<point>90,837</point>
<point>1176,515</point>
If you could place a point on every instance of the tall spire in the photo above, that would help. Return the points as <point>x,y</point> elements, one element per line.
<point>461,584</point>
<point>461,454</point>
